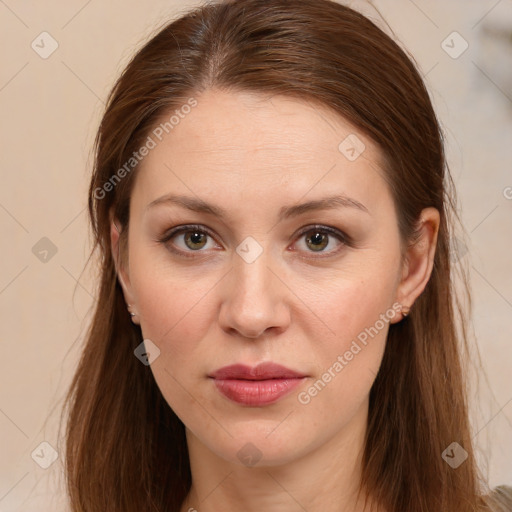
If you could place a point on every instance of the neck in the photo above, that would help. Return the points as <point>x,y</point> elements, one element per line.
<point>324,480</point>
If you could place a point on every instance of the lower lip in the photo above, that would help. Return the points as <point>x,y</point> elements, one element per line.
<point>256,392</point>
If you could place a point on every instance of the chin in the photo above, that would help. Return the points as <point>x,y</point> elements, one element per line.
<point>259,446</point>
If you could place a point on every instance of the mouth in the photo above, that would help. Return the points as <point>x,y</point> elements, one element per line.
<point>263,371</point>
<point>256,386</point>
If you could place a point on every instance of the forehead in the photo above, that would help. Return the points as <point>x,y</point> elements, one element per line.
<point>242,145</point>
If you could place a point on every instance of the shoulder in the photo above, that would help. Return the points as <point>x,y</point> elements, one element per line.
<point>500,499</point>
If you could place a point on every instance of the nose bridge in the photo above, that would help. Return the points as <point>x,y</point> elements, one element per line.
<point>253,279</point>
<point>254,301</point>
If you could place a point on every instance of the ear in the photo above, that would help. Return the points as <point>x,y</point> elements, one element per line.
<point>418,260</point>
<point>122,273</point>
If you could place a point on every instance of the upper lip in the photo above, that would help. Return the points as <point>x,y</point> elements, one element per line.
<point>262,371</point>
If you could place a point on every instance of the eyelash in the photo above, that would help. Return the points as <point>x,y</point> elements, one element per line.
<point>342,237</point>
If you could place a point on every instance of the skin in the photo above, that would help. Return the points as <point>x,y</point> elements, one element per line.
<point>252,155</point>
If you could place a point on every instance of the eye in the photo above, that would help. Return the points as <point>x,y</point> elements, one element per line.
<point>193,238</point>
<point>317,238</point>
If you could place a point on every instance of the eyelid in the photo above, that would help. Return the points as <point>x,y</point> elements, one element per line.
<point>177,230</point>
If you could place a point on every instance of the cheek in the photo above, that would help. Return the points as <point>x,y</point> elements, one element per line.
<point>174,313</point>
<point>353,304</point>
<point>172,300</point>
<point>358,313</point>
<point>345,369</point>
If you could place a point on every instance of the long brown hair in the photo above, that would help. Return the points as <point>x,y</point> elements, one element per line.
<point>126,449</point>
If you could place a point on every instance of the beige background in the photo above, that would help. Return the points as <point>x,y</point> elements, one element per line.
<point>50,110</point>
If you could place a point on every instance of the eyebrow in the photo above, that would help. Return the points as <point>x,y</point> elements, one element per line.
<point>199,205</point>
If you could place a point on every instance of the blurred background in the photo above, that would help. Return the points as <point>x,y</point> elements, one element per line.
<point>60,60</point>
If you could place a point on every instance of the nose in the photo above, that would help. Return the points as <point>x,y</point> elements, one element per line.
<point>254,299</point>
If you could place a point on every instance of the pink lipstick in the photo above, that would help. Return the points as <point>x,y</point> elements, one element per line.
<point>263,384</point>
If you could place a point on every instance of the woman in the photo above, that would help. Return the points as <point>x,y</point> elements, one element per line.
<point>276,327</point>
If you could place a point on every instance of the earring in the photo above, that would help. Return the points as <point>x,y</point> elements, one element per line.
<point>132,314</point>
<point>405,311</point>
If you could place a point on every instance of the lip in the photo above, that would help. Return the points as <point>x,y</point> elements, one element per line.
<point>262,371</point>
<point>263,384</point>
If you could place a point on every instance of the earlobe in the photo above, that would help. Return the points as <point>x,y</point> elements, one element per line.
<point>419,261</point>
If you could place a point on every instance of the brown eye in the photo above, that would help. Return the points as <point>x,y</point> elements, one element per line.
<point>318,241</point>
<point>318,238</point>
<point>185,240</point>
<point>195,239</point>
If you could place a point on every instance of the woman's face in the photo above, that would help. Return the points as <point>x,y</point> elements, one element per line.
<point>291,256</point>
